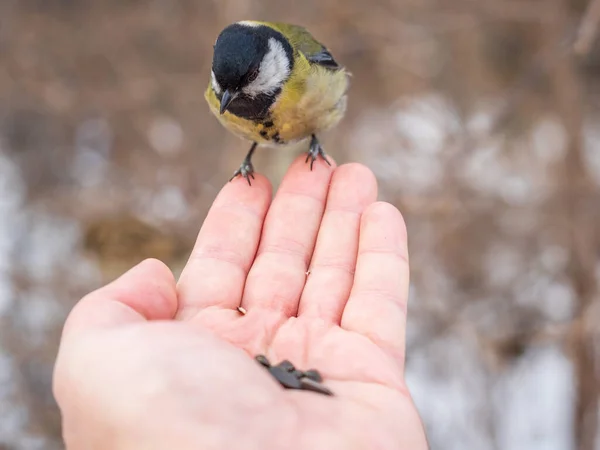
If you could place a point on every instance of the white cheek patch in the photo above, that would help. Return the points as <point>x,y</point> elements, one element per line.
<point>215,84</point>
<point>274,70</point>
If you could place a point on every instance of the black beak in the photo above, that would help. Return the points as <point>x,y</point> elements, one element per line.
<point>226,100</point>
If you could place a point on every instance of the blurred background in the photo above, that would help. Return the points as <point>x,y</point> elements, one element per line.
<point>480,119</point>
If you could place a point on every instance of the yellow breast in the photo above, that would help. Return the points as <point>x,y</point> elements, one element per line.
<point>311,101</point>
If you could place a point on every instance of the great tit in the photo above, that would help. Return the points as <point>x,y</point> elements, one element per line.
<point>274,84</point>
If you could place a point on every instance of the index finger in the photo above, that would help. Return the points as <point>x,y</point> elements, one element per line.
<point>216,271</point>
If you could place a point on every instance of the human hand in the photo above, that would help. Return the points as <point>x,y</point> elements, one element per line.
<point>148,364</point>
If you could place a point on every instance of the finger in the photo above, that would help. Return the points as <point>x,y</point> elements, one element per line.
<point>218,265</point>
<point>277,277</point>
<point>353,189</point>
<point>145,292</point>
<point>377,304</point>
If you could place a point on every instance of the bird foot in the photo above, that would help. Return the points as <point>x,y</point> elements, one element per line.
<point>315,150</point>
<point>246,170</point>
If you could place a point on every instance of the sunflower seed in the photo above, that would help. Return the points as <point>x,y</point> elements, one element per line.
<point>291,378</point>
<point>262,359</point>
<point>287,366</point>
<point>311,385</point>
<point>285,378</point>
<point>314,375</point>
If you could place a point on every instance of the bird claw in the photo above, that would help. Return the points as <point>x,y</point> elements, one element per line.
<point>246,170</point>
<point>315,150</point>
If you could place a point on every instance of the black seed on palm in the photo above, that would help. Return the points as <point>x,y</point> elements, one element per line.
<point>285,378</point>
<point>311,385</point>
<point>286,365</point>
<point>314,375</point>
<point>262,359</point>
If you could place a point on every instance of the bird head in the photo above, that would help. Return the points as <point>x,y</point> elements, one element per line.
<point>251,62</point>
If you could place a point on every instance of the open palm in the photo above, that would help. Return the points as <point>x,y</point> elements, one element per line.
<point>322,271</point>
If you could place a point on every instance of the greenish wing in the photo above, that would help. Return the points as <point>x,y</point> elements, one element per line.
<point>304,42</point>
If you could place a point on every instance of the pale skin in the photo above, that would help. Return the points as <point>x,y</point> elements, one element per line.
<point>148,362</point>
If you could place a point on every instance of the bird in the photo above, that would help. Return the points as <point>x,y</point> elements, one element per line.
<point>274,84</point>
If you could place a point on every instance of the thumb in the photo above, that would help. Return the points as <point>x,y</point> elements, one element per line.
<point>145,292</point>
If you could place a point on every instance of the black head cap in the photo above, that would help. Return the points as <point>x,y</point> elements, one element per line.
<point>239,51</point>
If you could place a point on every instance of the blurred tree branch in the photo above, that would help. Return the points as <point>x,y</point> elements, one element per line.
<point>588,30</point>
<point>577,191</point>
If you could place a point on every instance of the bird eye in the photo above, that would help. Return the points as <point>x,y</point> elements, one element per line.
<point>252,75</point>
